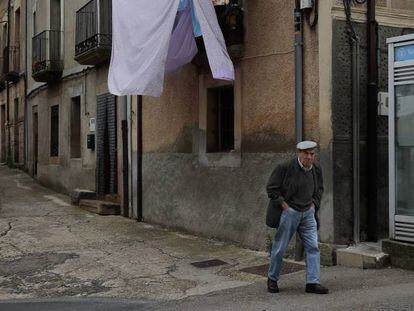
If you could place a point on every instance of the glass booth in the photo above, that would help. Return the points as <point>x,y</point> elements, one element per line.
<point>401,137</point>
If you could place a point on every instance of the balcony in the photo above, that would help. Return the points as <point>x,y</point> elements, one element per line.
<point>47,63</point>
<point>231,20</point>
<point>94,32</point>
<point>11,63</point>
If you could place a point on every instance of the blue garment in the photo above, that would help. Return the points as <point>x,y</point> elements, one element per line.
<point>182,5</point>
<point>305,224</point>
<point>196,25</point>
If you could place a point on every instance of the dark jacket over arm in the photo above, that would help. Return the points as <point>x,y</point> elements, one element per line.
<point>275,184</point>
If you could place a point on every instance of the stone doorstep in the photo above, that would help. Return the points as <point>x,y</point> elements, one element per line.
<point>363,255</point>
<point>100,207</point>
<point>80,194</point>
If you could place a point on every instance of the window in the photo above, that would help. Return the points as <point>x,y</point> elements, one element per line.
<point>220,119</point>
<point>75,128</point>
<point>34,24</point>
<point>17,26</point>
<point>55,7</point>
<point>54,131</point>
<point>16,130</point>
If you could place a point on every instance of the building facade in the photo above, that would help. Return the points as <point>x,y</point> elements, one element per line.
<point>201,157</point>
<point>12,83</point>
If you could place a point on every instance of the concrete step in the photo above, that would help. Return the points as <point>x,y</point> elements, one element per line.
<point>362,255</point>
<point>100,207</point>
<point>81,194</point>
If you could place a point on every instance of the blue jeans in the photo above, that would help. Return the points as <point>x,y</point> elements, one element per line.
<point>305,224</point>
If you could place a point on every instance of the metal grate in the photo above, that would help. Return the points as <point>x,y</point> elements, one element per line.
<point>404,74</point>
<point>288,267</point>
<point>208,263</point>
<point>404,229</point>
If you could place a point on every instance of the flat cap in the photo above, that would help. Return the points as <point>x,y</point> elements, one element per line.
<point>307,144</point>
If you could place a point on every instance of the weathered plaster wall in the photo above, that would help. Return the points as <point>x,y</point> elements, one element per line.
<point>65,173</point>
<point>223,195</point>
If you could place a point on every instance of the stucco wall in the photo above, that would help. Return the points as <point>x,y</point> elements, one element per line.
<point>225,197</point>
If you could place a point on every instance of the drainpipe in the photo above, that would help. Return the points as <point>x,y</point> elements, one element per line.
<point>26,106</point>
<point>8,156</point>
<point>356,135</point>
<point>372,156</point>
<point>139,158</point>
<point>130,155</point>
<point>299,248</point>
<point>125,166</point>
<point>298,73</point>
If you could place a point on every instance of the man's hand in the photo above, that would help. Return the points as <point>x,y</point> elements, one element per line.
<point>285,206</point>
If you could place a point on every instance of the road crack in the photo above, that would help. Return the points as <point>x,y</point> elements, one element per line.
<point>4,233</point>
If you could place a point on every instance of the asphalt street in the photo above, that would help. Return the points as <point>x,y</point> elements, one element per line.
<point>55,256</point>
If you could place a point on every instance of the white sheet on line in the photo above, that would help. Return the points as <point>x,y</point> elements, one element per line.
<point>141,31</point>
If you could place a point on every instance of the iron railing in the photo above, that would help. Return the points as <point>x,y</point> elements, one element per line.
<point>93,26</point>
<point>46,53</point>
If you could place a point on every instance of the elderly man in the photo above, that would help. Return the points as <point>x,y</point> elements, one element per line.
<point>296,187</point>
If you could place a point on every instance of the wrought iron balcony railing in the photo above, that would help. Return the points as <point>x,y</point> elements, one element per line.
<point>93,38</point>
<point>47,63</point>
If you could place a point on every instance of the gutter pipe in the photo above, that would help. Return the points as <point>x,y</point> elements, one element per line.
<point>139,158</point>
<point>372,155</point>
<point>26,104</point>
<point>125,164</point>
<point>299,247</point>
<point>356,136</point>
<point>298,73</point>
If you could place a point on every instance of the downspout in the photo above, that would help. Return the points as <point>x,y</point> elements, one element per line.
<point>9,158</point>
<point>125,166</point>
<point>299,248</point>
<point>139,158</point>
<point>298,73</point>
<point>372,156</point>
<point>130,156</point>
<point>26,106</point>
<point>356,135</point>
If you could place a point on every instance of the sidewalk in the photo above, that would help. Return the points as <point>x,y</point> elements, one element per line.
<point>51,249</point>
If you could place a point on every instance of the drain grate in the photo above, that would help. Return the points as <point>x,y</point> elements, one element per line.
<point>288,267</point>
<point>208,263</point>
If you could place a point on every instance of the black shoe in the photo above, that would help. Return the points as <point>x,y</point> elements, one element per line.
<point>316,289</point>
<point>272,286</point>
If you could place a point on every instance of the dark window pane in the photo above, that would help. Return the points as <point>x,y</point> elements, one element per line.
<point>54,131</point>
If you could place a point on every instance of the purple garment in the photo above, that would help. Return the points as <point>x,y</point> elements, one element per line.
<point>182,47</point>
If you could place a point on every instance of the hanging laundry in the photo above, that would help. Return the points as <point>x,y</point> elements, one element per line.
<point>220,2</point>
<point>140,38</point>
<point>218,58</point>
<point>145,32</point>
<point>182,47</point>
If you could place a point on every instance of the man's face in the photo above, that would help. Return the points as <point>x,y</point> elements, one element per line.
<point>307,157</point>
